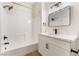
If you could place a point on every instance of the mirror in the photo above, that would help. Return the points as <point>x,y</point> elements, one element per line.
<point>60,17</point>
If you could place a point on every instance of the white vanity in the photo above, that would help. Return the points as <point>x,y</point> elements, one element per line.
<point>57,16</point>
<point>55,45</point>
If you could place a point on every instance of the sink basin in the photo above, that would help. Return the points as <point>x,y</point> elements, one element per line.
<point>69,38</point>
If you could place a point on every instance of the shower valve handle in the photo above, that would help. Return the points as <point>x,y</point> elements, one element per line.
<point>5,37</point>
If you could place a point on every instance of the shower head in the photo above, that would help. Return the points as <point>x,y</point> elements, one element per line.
<point>7,6</point>
<point>10,7</point>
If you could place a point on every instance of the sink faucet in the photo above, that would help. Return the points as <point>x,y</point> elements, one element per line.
<point>55,31</point>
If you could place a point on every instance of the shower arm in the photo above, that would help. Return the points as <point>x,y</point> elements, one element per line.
<point>9,7</point>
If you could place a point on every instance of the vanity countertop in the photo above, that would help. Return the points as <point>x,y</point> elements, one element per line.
<point>69,38</point>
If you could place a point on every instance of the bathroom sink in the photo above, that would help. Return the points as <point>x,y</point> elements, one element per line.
<point>69,38</point>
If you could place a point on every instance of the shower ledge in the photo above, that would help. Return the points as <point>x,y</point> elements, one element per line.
<point>68,38</point>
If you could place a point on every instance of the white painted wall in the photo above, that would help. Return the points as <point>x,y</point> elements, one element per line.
<point>0,27</point>
<point>36,20</point>
<point>73,29</point>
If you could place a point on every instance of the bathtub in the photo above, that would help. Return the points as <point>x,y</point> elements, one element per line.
<point>30,47</point>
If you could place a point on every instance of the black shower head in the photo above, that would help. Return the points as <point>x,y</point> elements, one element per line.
<point>10,7</point>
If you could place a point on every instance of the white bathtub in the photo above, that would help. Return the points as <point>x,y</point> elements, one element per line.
<point>32,46</point>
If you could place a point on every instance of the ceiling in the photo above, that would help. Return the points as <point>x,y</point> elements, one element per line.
<point>29,4</point>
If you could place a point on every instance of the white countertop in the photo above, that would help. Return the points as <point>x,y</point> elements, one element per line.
<point>69,38</point>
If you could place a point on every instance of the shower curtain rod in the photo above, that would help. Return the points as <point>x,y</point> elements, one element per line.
<point>21,5</point>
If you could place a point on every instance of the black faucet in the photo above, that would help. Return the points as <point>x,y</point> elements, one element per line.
<point>55,31</point>
<point>5,37</point>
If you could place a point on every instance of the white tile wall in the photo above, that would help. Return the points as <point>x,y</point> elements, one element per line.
<point>17,25</point>
<point>73,29</point>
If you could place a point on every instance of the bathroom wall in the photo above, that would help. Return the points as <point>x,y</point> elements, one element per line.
<point>16,25</point>
<point>36,20</point>
<point>72,29</point>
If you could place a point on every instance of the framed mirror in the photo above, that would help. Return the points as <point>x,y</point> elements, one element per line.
<point>60,18</point>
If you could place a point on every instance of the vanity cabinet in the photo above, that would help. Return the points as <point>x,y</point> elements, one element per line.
<point>50,46</point>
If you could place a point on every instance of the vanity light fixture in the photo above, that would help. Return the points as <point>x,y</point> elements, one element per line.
<point>56,4</point>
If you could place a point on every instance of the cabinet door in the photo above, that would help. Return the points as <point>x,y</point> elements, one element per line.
<point>53,46</point>
<point>43,47</point>
<point>55,50</point>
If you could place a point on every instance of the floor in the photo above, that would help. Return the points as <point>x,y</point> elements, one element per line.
<point>35,53</point>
